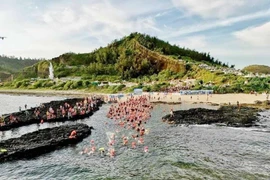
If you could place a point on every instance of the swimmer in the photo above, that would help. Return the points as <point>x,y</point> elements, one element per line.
<point>93,149</point>
<point>145,148</point>
<point>133,144</point>
<point>135,136</point>
<point>73,134</point>
<point>125,141</point>
<point>92,142</point>
<point>140,141</point>
<point>111,143</point>
<point>102,151</point>
<point>85,151</point>
<point>113,136</point>
<point>112,153</point>
<point>142,132</point>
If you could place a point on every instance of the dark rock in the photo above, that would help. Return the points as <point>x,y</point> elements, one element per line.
<point>266,102</point>
<point>258,102</point>
<point>42,141</point>
<point>228,115</point>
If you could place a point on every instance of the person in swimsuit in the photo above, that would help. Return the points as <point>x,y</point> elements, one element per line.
<point>73,134</point>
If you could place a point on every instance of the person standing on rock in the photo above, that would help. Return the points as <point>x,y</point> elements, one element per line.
<point>27,114</point>
<point>73,134</point>
<point>238,105</point>
<point>69,115</point>
<point>171,113</point>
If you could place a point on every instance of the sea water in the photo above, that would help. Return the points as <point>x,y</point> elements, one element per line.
<point>175,152</point>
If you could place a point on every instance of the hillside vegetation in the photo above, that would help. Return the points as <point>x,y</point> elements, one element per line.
<point>261,69</point>
<point>133,56</point>
<point>13,64</point>
<point>147,61</point>
<point>10,65</point>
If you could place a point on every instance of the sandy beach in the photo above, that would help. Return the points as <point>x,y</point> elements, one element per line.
<point>214,98</point>
<point>156,97</point>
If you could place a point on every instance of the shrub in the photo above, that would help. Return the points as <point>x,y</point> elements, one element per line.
<point>86,83</point>
<point>147,88</point>
<point>37,84</point>
<point>120,87</point>
<point>18,84</point>
<point>67,85</point>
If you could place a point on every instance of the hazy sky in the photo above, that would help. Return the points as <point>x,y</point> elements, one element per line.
<point>233,31</point>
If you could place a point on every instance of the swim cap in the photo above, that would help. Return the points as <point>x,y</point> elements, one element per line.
<point>101,149</point>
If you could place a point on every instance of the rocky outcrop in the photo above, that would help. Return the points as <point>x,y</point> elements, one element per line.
<point>42,141</point>
<point>28,117</point>
<point>227,115</point>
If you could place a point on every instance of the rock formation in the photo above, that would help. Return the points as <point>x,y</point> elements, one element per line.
<point>226,115</point>
<point>42,141</point>
<point>28,116</point>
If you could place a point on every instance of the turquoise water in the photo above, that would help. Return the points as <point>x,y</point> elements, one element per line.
<point>175,152</point>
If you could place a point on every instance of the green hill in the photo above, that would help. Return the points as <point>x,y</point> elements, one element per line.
<point>133,56</point>
<point>148,61</point>
<point>261,69</point>
<point>11,65</point>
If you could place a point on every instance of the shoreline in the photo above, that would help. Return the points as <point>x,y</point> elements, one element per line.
<point>69,93</point>
<point>156,97</point>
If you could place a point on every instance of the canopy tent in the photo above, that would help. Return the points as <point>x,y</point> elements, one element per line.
<point>137,91</point>
<point>190,92</point>
<point>116,95</point>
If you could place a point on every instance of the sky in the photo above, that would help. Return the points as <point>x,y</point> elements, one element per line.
<point>236,32</point>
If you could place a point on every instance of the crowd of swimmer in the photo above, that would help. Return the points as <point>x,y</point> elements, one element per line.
<point>42,112</point>
<point>68,111</point>
<point>131,115</point>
